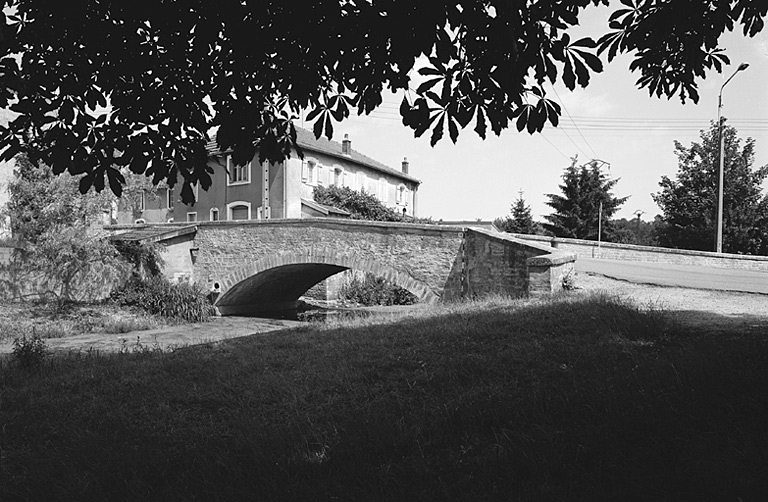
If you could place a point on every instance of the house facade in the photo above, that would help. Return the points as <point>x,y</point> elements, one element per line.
<point>285,190</point>
<point>6,175</point>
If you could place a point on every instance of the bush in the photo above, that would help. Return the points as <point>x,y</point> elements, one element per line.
<point>29,351</point>
<point>373,290</point>
<point>156,295</point>
<point>145,258</point>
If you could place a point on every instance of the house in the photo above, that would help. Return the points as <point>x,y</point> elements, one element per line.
<point>285,190</point>
<point>6,175</point>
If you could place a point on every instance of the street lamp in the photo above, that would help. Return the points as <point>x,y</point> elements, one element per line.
<point>719,240</point>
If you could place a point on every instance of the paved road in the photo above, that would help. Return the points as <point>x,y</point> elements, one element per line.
<point>684,276</point>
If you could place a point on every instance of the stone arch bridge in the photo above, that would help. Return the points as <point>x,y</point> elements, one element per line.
<point>269,264</point>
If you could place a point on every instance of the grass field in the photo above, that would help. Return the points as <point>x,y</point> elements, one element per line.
<point>582,397</point>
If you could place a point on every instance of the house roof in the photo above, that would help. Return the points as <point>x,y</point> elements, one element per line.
<point>153,234</point>
<point>307,141</point>
<point>324,209</point>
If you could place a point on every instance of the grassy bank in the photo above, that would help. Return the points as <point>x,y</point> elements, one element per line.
<point>580,398</point>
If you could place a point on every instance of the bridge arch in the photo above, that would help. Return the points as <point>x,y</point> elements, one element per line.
<point>276,282</point>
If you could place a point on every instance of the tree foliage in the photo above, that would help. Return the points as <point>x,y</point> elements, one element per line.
<point>40,201</point>
<point>577,211</point>
<point>689,202</point>
<point>635,231</point>
<point>61,254</point>
<point>170,70</point>
<point>521,219</point>
<point>360,204</point>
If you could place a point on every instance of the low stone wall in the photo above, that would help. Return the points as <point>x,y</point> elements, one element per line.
<point>630,252</point>
<point>502,263</point>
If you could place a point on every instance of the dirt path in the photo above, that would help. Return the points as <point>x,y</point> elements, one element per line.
<point>219,328</point>
<point>709,309</point>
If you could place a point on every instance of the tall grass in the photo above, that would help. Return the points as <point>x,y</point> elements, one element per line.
<point>574,398</point>
<point>50,321</point>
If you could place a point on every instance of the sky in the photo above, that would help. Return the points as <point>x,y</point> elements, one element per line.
<point>611,120</point>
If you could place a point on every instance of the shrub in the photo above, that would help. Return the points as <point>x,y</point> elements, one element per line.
<point>29,351</point>
<point>145,258</point>
<point>372,290</point>
<point>156,295</point>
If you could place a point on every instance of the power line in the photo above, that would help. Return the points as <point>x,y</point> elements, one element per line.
<point>553,146</point>
<point>595,155</point>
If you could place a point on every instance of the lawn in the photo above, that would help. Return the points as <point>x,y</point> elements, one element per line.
<point>580,397</point>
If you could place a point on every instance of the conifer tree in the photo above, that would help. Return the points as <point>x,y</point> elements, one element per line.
<point>586,197</point>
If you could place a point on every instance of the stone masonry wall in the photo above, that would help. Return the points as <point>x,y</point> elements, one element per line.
<point>499,263</point>
<point>630,252</point>
<point>425,253</point>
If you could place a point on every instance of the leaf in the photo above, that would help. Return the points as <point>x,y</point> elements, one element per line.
<point>314,113</point>
<point>10,151</point>
<point>116,181</point>
<point>437,131</point>
<point>453,130</point>
<point>569,79</point>
<point>426,70</point>
<point>317,128</point>
<point>480,125</point>
<point>85,183</point>
<point>328,126</point>
<point>425,86</point>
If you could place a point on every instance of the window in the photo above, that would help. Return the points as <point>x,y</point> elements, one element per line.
<point>239,210</point>
<point>169,198</point>
<point>143,201</point>
<point>238,175</point>
<point>312,173</point>
<point>214,214</point>
<point>191,217</point>
<point>401,195</point>
<point>338,176</point>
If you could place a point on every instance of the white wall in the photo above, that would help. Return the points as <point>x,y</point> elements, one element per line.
<point>6,174</point>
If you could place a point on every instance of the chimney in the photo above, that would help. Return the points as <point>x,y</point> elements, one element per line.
<point>405,165</point>
<point>346,145</point>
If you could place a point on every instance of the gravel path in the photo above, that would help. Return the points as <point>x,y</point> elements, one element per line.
<point>708,309</point>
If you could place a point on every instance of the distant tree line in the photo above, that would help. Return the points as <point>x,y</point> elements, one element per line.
<point>688,202</point>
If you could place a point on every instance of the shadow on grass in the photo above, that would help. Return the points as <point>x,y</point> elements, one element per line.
<point>584,398</point>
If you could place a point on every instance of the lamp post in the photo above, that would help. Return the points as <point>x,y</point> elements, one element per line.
<point>719,240</point>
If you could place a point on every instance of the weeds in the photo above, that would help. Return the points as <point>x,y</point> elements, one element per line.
<point>29,352</point>
<point>372,290</point>
<point>47,321</point>
<point>157,296</point>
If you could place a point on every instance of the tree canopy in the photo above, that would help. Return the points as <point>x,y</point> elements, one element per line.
<point>586,204</point>
<point>170,70</point>
<point>689,202</point>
